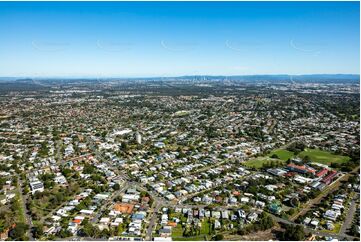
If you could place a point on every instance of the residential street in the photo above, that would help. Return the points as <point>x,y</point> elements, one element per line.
<point>349,217</point>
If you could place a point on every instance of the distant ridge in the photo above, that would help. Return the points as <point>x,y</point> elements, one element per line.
<point>344,76</point>
<point>287,77</point>
<point>246,78</point>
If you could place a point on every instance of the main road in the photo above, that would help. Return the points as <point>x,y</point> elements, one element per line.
<point>152,220</point>
<point>25,210</point>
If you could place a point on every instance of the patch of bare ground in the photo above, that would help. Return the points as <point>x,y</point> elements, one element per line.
<point>260,235</point>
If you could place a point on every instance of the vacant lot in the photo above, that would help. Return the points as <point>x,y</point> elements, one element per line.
<point>266,235</point>
<point>177,232</point>
<point>195,238</point>
<point>259,161</point>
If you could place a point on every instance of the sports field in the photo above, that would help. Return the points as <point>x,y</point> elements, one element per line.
<point>315,155</point>
<point>282,154</point>
<point>323,157</point>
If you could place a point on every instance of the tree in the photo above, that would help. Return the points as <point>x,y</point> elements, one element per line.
<point>266,221</point>
<point>18,232</point>
<point>66,172</point>
<point>63,233</point>
<point>120,229</point>
<point>354,230</point>
<point>242,231</point>
<point>38,231</point>
<point>89,230</point>
<point>105,233</point>
<point>296,147</point>
<point>295,233</point>
<point>124,146</point>
<point>88,169</point>
<point>274,156</point>
<point>306,159</point>
<point>2,226</point>
<point>26,190</point>
<point>116,186</point>
<point>218,237</point>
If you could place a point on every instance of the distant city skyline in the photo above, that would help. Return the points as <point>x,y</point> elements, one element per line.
<point>155,39</point>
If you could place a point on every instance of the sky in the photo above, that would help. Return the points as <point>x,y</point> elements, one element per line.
<point>145,39</point>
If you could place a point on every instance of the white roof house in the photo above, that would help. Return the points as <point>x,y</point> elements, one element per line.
<point>104,220</point>
<point>87,211</point>
<point>36,186</point>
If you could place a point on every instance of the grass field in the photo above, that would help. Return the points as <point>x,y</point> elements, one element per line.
<point>282,154</point>
<point>259,161</point>
<point>315,155</point>
<point>323,157</point>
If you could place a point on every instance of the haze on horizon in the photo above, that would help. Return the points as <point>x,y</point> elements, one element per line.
<point>140,39</point>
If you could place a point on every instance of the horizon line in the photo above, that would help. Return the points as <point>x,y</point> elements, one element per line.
<point>177,76</point>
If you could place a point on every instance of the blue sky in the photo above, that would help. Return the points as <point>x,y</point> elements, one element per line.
<point>129,39</point>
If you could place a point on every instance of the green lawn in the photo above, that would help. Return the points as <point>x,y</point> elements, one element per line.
<point>256,162</point>
<point>282,154</point>
<point>19,205</point>
<point>205,227</point>
<point>175,215</point>
<point>177,231</point>
<point>323,157</point>
<point>336,230</point>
